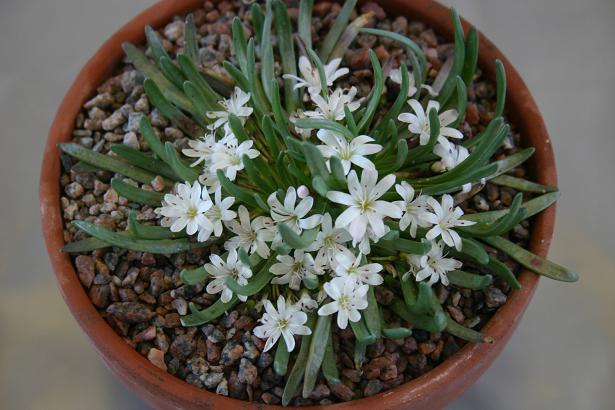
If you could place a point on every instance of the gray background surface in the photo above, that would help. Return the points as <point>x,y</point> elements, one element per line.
<point>562,355</point>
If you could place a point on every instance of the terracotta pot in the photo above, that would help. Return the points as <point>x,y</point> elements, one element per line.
<point>162,390</point>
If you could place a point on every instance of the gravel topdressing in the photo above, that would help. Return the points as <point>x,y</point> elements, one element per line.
<point>141,295</point>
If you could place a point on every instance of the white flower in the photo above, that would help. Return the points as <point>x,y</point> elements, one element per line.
<point>218,213</point>
<point>416,263</point>
<point>220,270</point>
<point>412,207</point>
<point>291,270</point>
<point>349,152</point>
<point>450,155</point>
<point>186,209</point>
<point>419,121</point>
<point>252,236</point>
<point>350,268</point>
<point>348,299</point>
<point>445,218</point>
<point>228,156</point>
<point>332,107</point>
<point>234,105</point>
<point>286,321</point>
<point>364,209</point>
<point>306,303</point>
<point>435,265</point>
<point>395,76</point>
<point>329,243</point>
<point>311,78</point>
<point>201,149</point>
<point>292,215</point>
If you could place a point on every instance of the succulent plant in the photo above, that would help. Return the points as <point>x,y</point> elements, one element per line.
<point>317,196</point>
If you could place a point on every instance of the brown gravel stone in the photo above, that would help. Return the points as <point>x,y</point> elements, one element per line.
<point>85,269</point>
<point>375,366</point>
<point>157,358</point>
<point>99,294</point>
<point>130,312</point>
<point>372,387</point>
<point>149,333</point>
<point>341,391</point>
<point>231,353</point>
<point>247,372</point>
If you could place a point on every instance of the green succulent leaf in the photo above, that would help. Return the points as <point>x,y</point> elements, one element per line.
<point>293,382</point>
<point>295,240</point>
<point>469,280</point>
<point>336,30</point>
<point>500,77</point>
<point>376,93</point>
<point>304,22</point>
<point>142,160</point>
<point>535,263</point>
<point>107,162</point>
<point>134,194</point>
<point>396,332</point>
<point>371,314</point>
<point>256,284</point>
<point>458,60</point>
<point>502,271</point>
<point>170,91</point>
<point>361,333</point>
<point>280,361</point>
<point>329,364</point>
<point>193,276</point>
<point>465,333</point>
<point>161,246</point>
<point>471,51</point>
<point>191,45</point>
<point>200,317</point>
<point>184,171</point>
<point>531,208</point>
<point>316,354</point>
<point>521,184</point>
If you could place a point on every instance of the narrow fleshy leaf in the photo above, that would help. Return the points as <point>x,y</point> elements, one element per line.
<point>193,75</point>
<point>170,70</point>
<point>458,60</point>
<point>280,361</point>
<point>295,376</point>
<point>315,123</point>
<point>143,231</point>
<point>332,37</point>
<point>256,283</point>
<point>304,22</point>
<point>162,246</point>
<point>376,93</point>
<point>372,314</point>
<point>193,276</point>
<point>134,194</point>
<point>267,61</point>
<point>316,353</point>
<point>511,161</point>
<point>465,333</point>
<point>500,77</point>
<point>396,332</point>
<point>532,262</point>
<point>361,332</point>
<point>142,160</point>
<point>294,240</point>
<point>200,317</point>
<point>191,44</point>
<point>284,35</point>
<point>499,269</point>
<point>169,111</point>
<point>469,280</point>
<point>155,44</point>
<point>521,184</point>
<point>170,91</point>
<point>348,36</point>
<point>531,207</point>
<point>329,363</point>
<point>400,100</point>
<point>471,51</point>
<point>106,162</point>
<point>184,171</point>
<point>413,48</point>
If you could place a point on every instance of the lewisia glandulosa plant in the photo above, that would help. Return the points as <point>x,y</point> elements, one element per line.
<point>313,191</point>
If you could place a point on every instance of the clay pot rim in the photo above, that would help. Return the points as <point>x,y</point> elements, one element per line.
<point>435,388</point>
